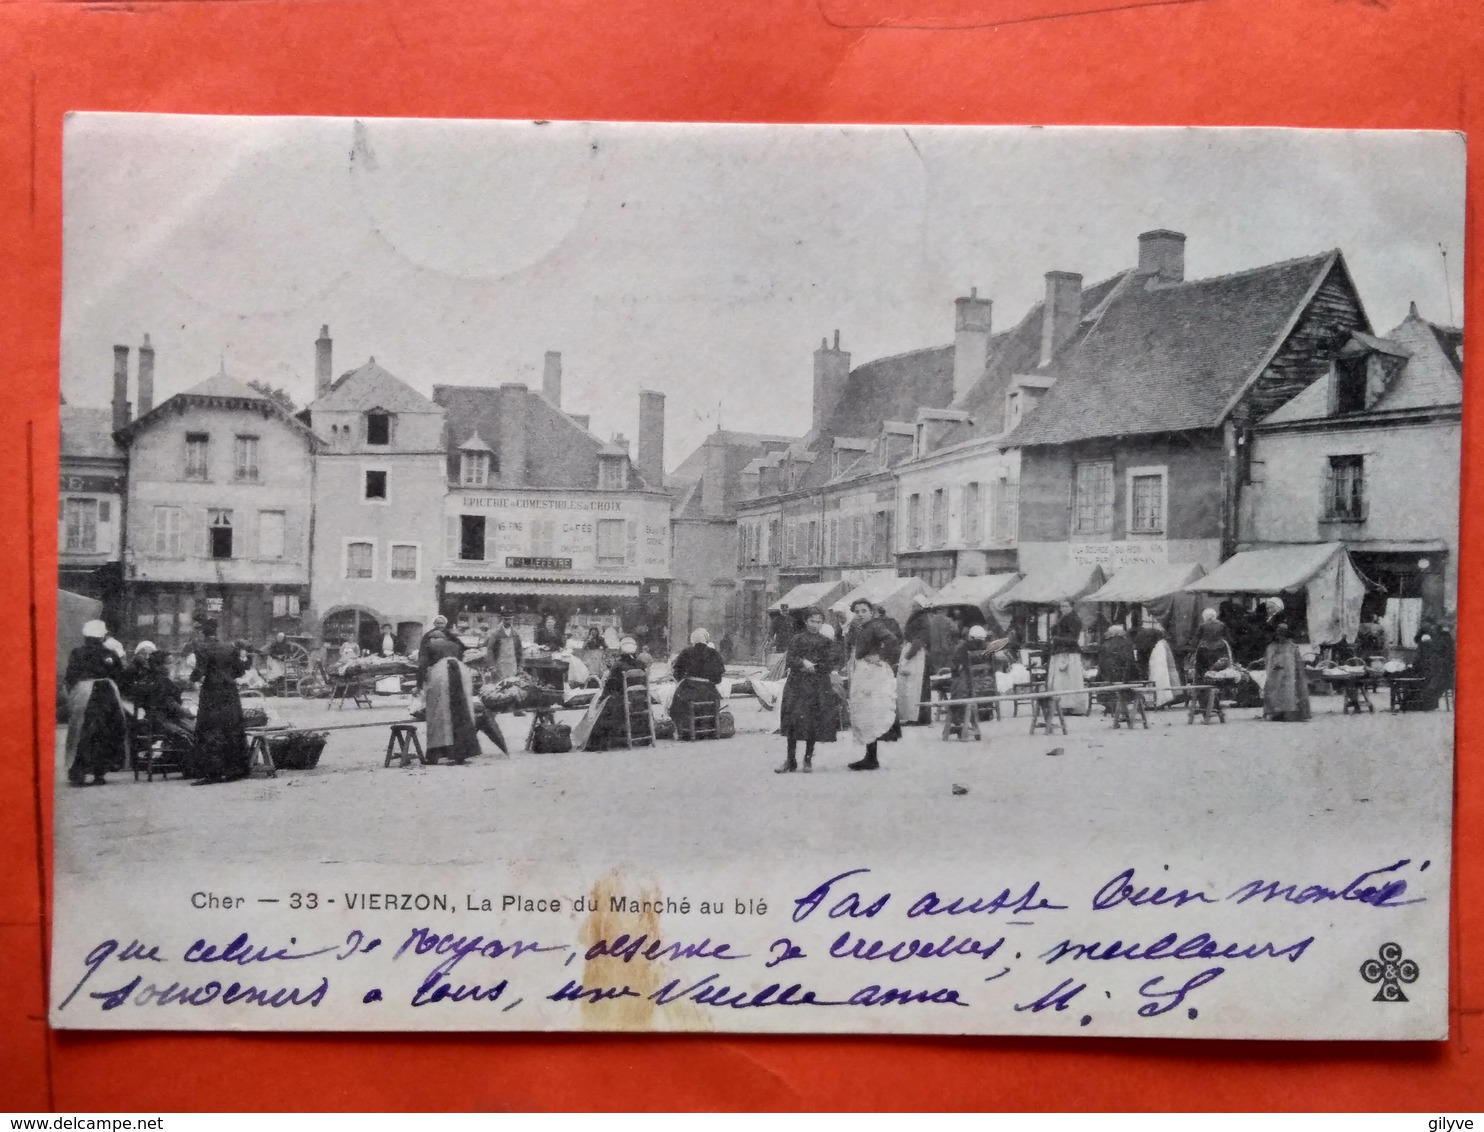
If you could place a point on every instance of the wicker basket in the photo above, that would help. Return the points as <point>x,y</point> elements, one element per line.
<point>297,750</point>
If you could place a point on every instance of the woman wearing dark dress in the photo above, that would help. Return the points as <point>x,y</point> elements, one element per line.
<point>221,742</point>
<point>1064,669</point>
<point>809,710</point>
<point>97,730</point>
<point>698,670</point>
<point>549,636</point>
<point>1210,643</point>
<point>608,729</point>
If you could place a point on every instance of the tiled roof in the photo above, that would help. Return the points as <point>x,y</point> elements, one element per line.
<point>1431,376</point>
<point>560,453</point>
<point>1012,353</point>
<point>87,433</point>
<point>1171,356</point>
<point>220,387</point>
<point>885,389</point>
<point>372,387</point>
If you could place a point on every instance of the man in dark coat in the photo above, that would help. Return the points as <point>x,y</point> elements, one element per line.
<point>220,738</point>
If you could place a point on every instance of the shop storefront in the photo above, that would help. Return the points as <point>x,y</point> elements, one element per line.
<point>169,614</point>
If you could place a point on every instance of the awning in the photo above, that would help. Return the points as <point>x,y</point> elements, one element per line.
<point>1066,583</point>
<point>565,587</point>
<point>1322,570</point>
<point>895,594</point>
<point>1150,581</point>
<point>810,594</point>
<point>1271,570</point>
<point>978,591</point>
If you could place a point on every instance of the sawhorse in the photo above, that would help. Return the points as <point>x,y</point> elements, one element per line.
<point>258,754</point>
<point>1045,710</point>
<point>1206,699</point>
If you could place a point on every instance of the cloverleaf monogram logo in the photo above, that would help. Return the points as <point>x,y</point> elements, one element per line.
<point>1391,971</point>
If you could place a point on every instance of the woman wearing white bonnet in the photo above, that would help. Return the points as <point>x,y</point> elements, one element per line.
<point>608,728</point>
<point>97,731</point>
<point>699,670</point>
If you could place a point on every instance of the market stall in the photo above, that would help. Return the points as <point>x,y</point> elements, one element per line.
<point>1040,592</point>
<point>895,594</point>
<point>1319,574</point>
<point>1157,588</point>
<point>978,599</point>
<point>809,595</point>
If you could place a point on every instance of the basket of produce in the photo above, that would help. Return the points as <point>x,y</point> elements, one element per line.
<point>297,750</point>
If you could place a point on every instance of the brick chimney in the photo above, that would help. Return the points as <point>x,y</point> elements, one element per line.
<point>322,364</point>
<point>714,479</point>
<point>831,371</point>
<point>512,442</point>
<point>120,387</point>
<point>651,437</point>
<point>146,377</point>
<point>1061,312</point>
<point>551,378</point>
<point>1162,254</point>
<point>971,328</point>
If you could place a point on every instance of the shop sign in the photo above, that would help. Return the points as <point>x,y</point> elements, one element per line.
<point>538,563</point>
<point>100,485</point>
<point>1114,556</point>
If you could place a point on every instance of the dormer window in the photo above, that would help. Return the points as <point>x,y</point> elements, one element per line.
<point>475,469</point>
<point>378,427</point>
<point>1014,407</point>
<point>613,473</point>
<point>1350,384</point>
<point>919,439</point>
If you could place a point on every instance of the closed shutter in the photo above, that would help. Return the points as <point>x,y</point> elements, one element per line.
<point>491,539</point>
<point>293,538</point>
<point>631,553</point>
<point>451,538</point>
<point>199,518</point>
<point>391,429</point>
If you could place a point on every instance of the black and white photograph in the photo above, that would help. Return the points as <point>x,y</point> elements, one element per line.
<point>864,579</point>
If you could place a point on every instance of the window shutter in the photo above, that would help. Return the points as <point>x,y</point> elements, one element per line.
<point>491,539</point>
<point>391,428</point>
<point>200,518</point>
<point>451,538</point>
<point>361,426</point>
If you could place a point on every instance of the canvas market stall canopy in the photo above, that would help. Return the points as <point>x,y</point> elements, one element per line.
<point>1160,588</point>
<point>808,595</point>
<point>981,592</point>
<point>1049,587</point>
<point>895,594</point>
<point>1320,570</point>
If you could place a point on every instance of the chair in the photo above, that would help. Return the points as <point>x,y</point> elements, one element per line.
<point>638,724</point>
<point>156,750</point>
<point>700,721</point>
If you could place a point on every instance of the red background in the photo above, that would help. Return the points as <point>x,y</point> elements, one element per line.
<point>1333,63</point>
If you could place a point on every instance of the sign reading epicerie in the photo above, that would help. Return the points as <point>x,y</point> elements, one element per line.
<point>584,532</point>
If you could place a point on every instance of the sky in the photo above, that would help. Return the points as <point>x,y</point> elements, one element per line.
<point>706,262</point>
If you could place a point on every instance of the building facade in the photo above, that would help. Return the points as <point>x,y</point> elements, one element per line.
<point>1369,456</point>
<point>540,517</point>
<point>218,515</point>
<point>379,487</point>
<point>1137,450</point>
<point>707,553</point>
<point>90,509</point>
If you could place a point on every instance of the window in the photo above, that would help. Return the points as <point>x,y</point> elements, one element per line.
<point>360,560</point>
<point>774,546</point>
<point>1092,507</point>
<point>166,540</point>
<point>196,446</point>
<point>219,533</point>
<point>832,542</point>
<point>376,485</point>
<point>285,605</point>
<point>610,542</point>
<point>471,538</point>
<point>1014,407</point>
<point>613,473</point>
<point>973,515</point>
<point>1344,496</point>
<point>939,517</point>
<point>270,534</point>
<point>1146,501</point>
<point>245,458</point>
<point>378,428</point>
<point>80,525</point>
<point>813,542</point>
<point>475,470</point>
<point>1006,508</point>
<point>404,562</point>
<point>741,544</point>
<point>882,534</point>
<point>1350,384</point>
<point>914,521</point>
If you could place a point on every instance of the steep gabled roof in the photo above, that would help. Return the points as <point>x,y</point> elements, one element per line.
<point>219,390</point>
<point>87,434</point>
<point>1174,356</point>
<point>371,387</point>
<point>740,451</point>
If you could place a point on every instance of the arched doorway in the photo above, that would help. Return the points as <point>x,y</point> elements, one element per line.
<point>354,623</point>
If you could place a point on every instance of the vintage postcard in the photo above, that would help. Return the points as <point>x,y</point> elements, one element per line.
<point>586,576</point>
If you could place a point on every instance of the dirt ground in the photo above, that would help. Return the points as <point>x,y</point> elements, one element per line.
<point>1381,779</point>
